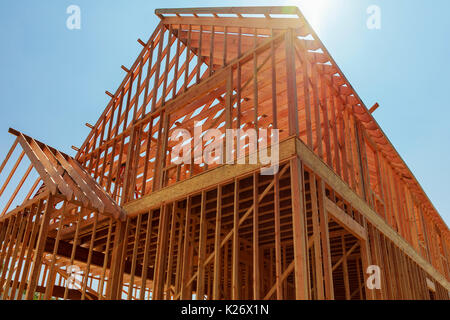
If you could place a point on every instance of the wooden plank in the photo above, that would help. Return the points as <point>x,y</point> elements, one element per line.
<point>7,268</point>
<point>307,96</point>
<point>21,257</point>
<point>235,277</point>
<point>52,272</point>
<point>11,173</point>
<point>145,263</point>
<point>186,269</point>
<point>37,259</point>
<point>319,289</point>
<point>291,85</point>
<point>345,254</point>
<point>122,259</point>
<point>274,82</point>
<point>326,122</point>
<point>317,108</point>
<point>179,256</point>
<point>134,256</point>
<point>49,167</point>
<point>207,179</point>
<point>8,155</point>
<point>276,190</point>
<point>345,268</point>
<point>114,277</point>
<point>325,241</point>
<point>106,261</point>
<point>89,259</point>
<point>188,59</point>
<point>111,207</point>
<point>7,237</point>
<point>299,232</point>
<point>345,220</point>
<point>217,251</point>
<point>161,254</point>
<point>202,249</point>
<point>87,191</point>
<point>256,250</point>
<point>74,247</point>
<point>335,182</point>
<point>16,191</point>
<point>266,10</point>
<point>169,273</point>
<point>30,249</point>
<point>275,23</point>
<point>45,176</point>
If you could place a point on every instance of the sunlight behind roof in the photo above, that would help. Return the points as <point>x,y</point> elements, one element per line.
<point>315,11</point>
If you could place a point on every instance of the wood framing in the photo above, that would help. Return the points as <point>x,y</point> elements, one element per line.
<point>124,219</point>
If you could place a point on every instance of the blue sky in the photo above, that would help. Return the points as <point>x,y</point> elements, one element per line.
<point>52,79</point>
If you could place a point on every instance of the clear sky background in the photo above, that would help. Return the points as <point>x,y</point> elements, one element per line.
<point>52,79</point>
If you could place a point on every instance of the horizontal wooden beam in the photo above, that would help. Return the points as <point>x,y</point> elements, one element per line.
<point>211,178</point>
<point>231,10</point>
<point>275,23</point>
<point>345,220</point>
<point>320,168</point>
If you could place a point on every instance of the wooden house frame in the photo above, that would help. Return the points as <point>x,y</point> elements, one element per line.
<point>134,225</point>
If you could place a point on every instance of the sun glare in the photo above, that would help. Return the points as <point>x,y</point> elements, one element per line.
<point>315,11</point>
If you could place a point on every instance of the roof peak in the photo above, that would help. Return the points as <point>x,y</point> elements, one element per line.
<point>264,11</point>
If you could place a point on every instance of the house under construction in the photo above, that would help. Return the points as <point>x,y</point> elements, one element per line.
<point>122,220</point>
